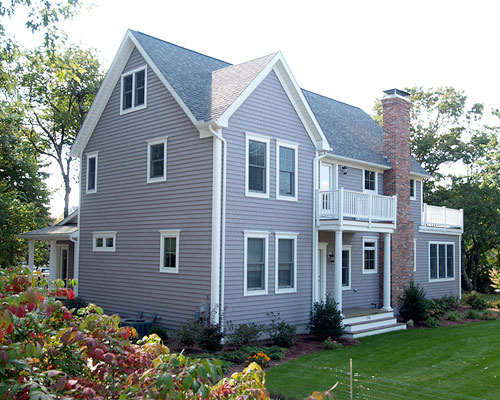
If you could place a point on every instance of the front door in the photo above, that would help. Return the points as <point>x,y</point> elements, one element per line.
<point>321,273</point>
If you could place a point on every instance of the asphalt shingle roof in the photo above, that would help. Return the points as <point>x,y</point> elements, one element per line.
<point>208,86</point>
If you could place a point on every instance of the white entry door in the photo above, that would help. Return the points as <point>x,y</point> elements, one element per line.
<point>321,273</point>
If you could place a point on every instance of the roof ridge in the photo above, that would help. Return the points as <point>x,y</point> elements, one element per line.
<point>182,47</point>
<point>329,98</point>
<point>244,62</point>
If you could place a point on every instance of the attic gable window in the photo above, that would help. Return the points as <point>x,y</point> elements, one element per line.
<point>133,90</point>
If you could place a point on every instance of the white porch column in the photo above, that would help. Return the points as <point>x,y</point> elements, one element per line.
<point>31,254</point>
<point>337,276</point>
<point>387,272</point>
<point>53,260</point>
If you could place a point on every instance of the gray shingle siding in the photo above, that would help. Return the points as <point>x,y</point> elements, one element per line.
<point>128,281</point>
<point>268,112</point>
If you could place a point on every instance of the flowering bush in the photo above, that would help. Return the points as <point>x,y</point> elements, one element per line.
<point>260,358</point>
<point>46,352</point>
<point>330,344</point>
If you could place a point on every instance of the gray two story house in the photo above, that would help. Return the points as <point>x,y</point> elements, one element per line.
<point>206,185</point>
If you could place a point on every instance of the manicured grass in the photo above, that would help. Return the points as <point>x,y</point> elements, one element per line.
<point>462,359</point>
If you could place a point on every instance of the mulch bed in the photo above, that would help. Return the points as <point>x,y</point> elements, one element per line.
<point>443,321</point>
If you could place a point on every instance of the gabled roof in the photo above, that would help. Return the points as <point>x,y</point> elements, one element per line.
<point>62,230</point>
<point>208,89</point>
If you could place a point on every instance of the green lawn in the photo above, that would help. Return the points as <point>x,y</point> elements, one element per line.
<point>462,359</point>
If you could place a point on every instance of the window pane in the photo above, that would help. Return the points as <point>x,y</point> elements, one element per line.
<point>255,277</point>
<point>127,92</point>
<point>91,174</point>
<point>412,188</point>
<point>345,268</point>
<point>442,261</point>
<point>370,259</point>
<point>255,263</point>
<point>139,87</point>
<point>287,159</point>
<point>450,267</point>
<point>433,260</point>
<point>285,263</point>
<point>255,250</point>
<point>99,242</point>
<point>325,177</point>
<point>109,242</point>
<point>169,252</point>
<point>370,180</point>
<point>256,153</point>
<point>157,154</point>
<point>256,179</point>
<point>287,171</point>
<point>287,183</point>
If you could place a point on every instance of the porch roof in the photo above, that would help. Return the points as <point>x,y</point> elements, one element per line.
<point>57,232</point>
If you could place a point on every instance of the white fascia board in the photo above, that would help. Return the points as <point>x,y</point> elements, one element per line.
<point>69,217</point>
<point>294,93</point>
<point>352,162</point>
<point>102,97</point>
<point>419,177</point>
<point>112,77</point>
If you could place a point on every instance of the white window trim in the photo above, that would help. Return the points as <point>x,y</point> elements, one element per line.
<point>104,235</point>
<point>415,256</point>
<point>152,142</point>
<point>263,139</point>
<point>349,248</point>
<point>169,233</point>
<point>369,239</point>
<point>446,267</point>
<point>94,154</point>
<point>414,197</point>
<point>295,147</point>
<point>294,237</point>
<point>376,182</point>
<point>142,106</point>
<point>255,235</point>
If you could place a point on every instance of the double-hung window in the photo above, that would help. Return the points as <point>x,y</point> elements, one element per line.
<point>104,241</point>
<point>157,159</point>
<point>441,261</point>
<point>286,170</point>
<point>169,250</point>
<point>92,172</point>
<point>134,90</point>
<point>369,255</point>
<point>370,181</point>
<point>286,263</point>
<point>257,165</point>
<point>255,248</point>
<point>346,267</point>
<point>413,189</point>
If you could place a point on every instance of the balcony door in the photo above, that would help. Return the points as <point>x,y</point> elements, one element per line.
<point>327,183</point>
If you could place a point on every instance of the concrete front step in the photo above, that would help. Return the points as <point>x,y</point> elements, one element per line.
<point>375,331</point>
<point>364,325</point>
<point>368,317</point>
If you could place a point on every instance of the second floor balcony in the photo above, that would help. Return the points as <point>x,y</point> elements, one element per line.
<point>355,210</point>
<point>442,217</point>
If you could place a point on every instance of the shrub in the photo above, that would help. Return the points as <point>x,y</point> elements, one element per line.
<point>474,314</point>
<point>237,356</point>
<point>475,300</point>
<point>160,331</point>
<point>188,334</point>
<point>498,305</point>
<point>281,333</point>
<point>326,320</point>
<point>274,352</point>
<point>453,316</point>
<point>432,322</point>
<point>330,344</point>
<point>210,338</point>
<point>434,309</point>
<point>244,334</point>
<point>488,315</point>
<point>75,304</point>
<point>413,304</point>
<point>449,302</point>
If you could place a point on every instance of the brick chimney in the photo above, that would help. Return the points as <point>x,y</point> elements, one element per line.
<point>396,146</point>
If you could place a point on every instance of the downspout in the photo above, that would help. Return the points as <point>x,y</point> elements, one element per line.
<point>460,266</point>
<point>315,229</point>
<point>218,136</point>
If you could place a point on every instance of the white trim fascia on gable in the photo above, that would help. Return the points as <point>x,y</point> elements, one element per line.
<point>353,163</point>
<point>112,77</point>
<point>151,142</point>
<point>169,233</point>
<point>258,235</point>
<point>263,139</point>
<point>94,154</point>
<point>288,145</point>
<point>417,176</point>
<point>293,92</point>
<point>142,106</point>
<point>294,237</point>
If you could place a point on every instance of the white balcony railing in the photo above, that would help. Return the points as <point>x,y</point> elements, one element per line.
<point>341,204</point>
<point>442,217</point>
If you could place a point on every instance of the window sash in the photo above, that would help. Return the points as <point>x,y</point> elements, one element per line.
<point>128,85</point>
<point>441,261</point>
<point>140,86</point>
<point>256,263</point>
<point>257,152</point>
<point>157,160</point>
<point>134,90</point>
<point>286,262</point>
<point>170,252</point>
<point>412,188</point>
<point>287,171</point>
<point>370,180</point>
<point>346,281</point>
<point>91,184</point>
